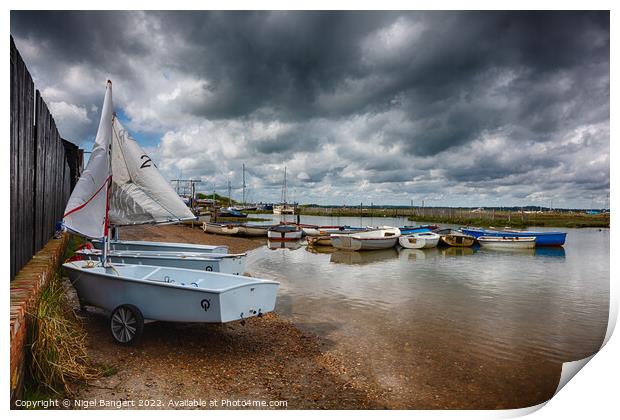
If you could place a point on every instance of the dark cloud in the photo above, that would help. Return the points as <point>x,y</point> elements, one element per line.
<point>402,101</point>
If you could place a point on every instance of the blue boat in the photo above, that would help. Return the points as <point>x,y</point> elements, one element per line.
<point>542,238</point>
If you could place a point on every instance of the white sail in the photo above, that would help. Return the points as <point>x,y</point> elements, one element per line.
<point>140,194</point>
<point>85,213</point>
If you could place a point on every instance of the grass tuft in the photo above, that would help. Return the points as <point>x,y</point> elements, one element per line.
<point>58,351</point>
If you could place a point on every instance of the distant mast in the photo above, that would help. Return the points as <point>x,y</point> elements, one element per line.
<point>284,188</point>
<point>243,186</point>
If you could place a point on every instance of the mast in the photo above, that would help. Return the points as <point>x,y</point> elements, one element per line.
<point>229,199</point>
<point>284,193</point>
<point>243,186</point>
<point>106,228</point>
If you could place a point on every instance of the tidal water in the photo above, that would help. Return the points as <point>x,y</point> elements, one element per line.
<point>489,328</point>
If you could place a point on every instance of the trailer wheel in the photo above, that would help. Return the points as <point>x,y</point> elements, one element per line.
<point>126,324</point>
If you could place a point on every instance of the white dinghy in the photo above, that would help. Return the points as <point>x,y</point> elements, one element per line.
<point>220,228</point>
<point>284,232</point>
<point>120,245</point>
<point>385,237</point>
<point>134,292</point>
<point>220,263</point>
<point>138,292</point>
<point>510,242</point>
<point>419,240</point>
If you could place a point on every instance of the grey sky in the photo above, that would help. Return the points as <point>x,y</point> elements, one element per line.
<point>469,108</point>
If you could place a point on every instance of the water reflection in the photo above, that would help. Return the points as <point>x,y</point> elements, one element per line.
<point>554,252</point>
<point>320,249</point>
<point>363,257</point>
<point>456,251</point>
<point>458,319</point>
<point>418,254</point>
<point>283,244</point>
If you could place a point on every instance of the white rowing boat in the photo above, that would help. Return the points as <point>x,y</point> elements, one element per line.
<point>220,228</point>
<point>383,238</point>
<point>419,240</point>
<point>499,242</point>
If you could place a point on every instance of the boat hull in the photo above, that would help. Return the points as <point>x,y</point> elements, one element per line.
<point>381,238</point>
<point>162,246</point>
<point>284,233</point>
<point>494,242</point>
<point>180,301</point>
<point>417,241</point>
<point>359,244</point>
<point>284,236</point>
<point>228,263</point>
<point>458,240</point>
<point>542,238</point>
<point>220,229</point>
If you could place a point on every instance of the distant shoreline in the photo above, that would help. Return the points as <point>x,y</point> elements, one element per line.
<point>482,218</point>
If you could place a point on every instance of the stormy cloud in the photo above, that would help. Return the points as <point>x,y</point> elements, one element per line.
<point>454,108</point>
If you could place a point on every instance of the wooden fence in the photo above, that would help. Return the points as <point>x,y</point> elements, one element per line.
<point>41,175</point>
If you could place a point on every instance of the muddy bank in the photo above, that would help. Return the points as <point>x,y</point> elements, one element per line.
<point>267,359</point>
<point>187,234</point>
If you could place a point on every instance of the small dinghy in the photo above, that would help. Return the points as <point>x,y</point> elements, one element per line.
<point>419,240</point>
<point>284,233</point>
<point>220,263</point>
<point>220,228</point>
<point>120,245</point>
<point>455,238</point>
<point>383,238</point>
<point>121,186</point>
<point>507,242</point>
<point>253,230</point>
<point>133,293</point>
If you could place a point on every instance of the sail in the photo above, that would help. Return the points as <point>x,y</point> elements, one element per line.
<point>85,213</point>
<point>140,194</point>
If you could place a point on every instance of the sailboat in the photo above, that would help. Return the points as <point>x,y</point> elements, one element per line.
<point>141,195</point>
<point>284,231</point>
<point>283,208</point>
<point>132,293</point>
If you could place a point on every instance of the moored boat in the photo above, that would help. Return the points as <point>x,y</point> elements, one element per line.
<point>507,242</point>
<point>383,238</point>
<point>455,238</point>
<point>543,238</point>
<point>419,240</point>
<point>220,228</point>
<point>284,232</point>
<point>253,230</point>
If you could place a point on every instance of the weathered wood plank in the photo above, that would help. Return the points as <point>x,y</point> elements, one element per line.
<point>40,174</point>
